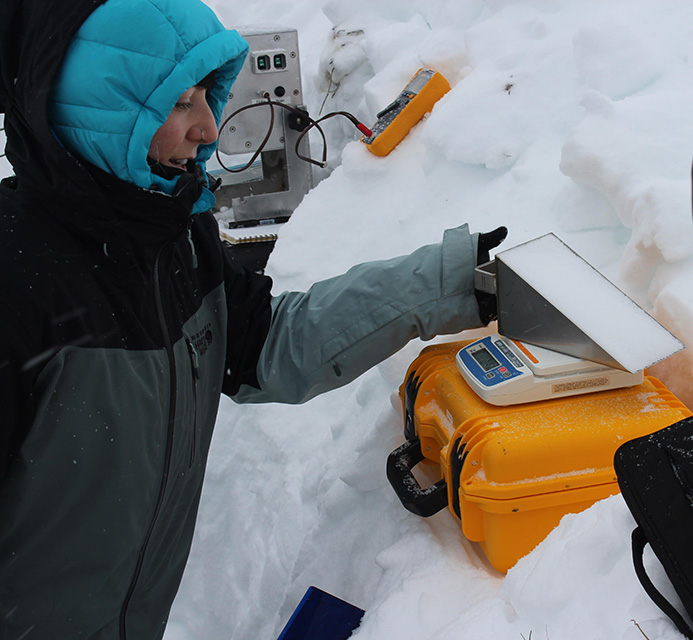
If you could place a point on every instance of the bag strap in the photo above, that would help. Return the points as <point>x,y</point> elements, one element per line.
<point>638,542</point>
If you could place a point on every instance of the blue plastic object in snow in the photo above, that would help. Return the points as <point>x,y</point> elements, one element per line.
<point>321,616</point>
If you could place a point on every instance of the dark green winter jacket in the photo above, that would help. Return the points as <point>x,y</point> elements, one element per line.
<point>123,317</point>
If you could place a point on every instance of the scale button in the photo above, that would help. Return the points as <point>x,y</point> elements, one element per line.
<point>507,374</point>
<point>490,375</point>
<point>503,369</point>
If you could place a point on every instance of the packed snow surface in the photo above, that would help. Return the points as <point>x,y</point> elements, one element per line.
<point>574,118</point>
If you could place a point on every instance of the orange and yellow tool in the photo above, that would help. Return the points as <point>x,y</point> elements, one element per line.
<point>416,100</point>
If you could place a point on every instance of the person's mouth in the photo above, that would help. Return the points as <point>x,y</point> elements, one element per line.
<point>179,163</point>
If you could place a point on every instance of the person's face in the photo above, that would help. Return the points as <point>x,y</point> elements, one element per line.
<point>189,124</point>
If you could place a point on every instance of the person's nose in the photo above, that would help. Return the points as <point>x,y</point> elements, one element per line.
<point>204,130</point>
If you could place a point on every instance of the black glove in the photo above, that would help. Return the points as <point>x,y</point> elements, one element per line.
<point>488,241</point>
<point>488,309</point>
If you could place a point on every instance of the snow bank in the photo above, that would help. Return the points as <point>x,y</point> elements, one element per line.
<point>564,117</point>
<point>568,117</point>
<point>571,118</point>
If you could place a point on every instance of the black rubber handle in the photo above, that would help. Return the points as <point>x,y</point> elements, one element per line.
<point>422,502</point>
<point>638,542</point>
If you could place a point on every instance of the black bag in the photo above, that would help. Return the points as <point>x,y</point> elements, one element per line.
<point>655,473</point>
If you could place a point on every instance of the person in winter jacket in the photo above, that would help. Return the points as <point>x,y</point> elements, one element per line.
<point>124,317</point>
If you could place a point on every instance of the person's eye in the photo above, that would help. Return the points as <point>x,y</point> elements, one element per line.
<point>183,105</point>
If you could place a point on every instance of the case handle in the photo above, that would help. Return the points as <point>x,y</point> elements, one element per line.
<point>422,502</point>
<point>638,542</point>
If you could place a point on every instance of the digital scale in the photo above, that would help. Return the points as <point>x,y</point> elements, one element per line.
<point>504,372</point>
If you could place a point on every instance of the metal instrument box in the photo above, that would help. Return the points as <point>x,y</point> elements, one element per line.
<point>271,188</point>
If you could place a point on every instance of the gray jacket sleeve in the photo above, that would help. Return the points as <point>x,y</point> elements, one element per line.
<point>328,336</point>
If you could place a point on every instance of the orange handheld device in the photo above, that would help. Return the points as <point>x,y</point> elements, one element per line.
<point>394,121</point>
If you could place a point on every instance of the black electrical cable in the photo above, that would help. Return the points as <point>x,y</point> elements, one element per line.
<point>262,145</point>
<point>363,129</point>
<point>273,103</point>
<point>312,124</point>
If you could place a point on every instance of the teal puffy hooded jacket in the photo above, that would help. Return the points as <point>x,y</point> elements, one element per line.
<point>123,74</point>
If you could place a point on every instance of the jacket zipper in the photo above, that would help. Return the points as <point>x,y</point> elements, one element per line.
<point>169,443</point>
<point>192,246</point>
<point>194,359</point>
<point>195,367</point>
<point>168,346</point>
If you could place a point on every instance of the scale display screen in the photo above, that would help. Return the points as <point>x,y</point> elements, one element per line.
<point>491,362</point>
<point>483,357</point>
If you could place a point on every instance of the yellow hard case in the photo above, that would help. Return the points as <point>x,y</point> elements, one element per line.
<point>513,472</point>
